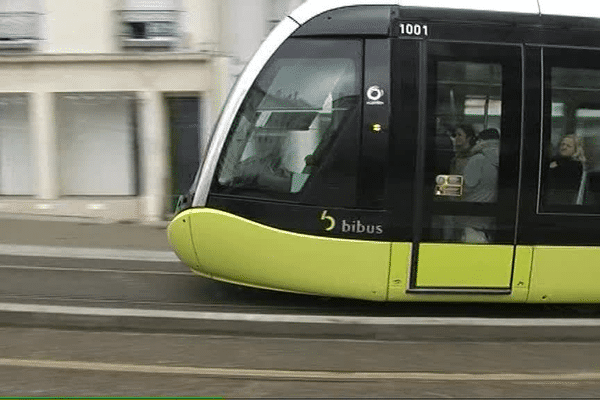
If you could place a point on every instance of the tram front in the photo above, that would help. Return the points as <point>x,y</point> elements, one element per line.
<point>291,195</point>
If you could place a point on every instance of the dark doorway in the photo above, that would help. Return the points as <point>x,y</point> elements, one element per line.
<point>184,129</point>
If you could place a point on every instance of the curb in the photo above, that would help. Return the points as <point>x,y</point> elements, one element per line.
<point>87,253</point>
<point>82,220</point>
<point>301,326</point>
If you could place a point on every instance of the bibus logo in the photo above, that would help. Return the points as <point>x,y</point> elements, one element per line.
<point>358,227</point>
<point>352,226</point>
<point>331,220</point>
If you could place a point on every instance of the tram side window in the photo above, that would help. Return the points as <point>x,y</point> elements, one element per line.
<point>571,150</point>
<point>291,119</point>
<point>467,139</point>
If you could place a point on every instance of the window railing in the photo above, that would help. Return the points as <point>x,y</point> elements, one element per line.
<point>19,30</point>
<point>145,28</point>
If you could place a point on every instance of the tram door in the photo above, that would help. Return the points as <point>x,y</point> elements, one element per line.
<point>466,165</point>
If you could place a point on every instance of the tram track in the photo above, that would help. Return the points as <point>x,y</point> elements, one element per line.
<point>133,284</point>
<point>93,270</point>
<point>118,294</point>
<point>300,375</point>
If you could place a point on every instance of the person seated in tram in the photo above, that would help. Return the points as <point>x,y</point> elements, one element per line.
<point>565,171</point>
<point>264,168</point>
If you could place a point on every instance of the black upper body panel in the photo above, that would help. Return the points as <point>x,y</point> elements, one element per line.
<point>452,24</point>
<point>356,20</point>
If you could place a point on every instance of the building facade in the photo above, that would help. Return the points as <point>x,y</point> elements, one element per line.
<point>106,106</point>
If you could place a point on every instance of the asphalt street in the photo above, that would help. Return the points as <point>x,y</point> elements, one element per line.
<point>91,309</point>
<point>43,362</point>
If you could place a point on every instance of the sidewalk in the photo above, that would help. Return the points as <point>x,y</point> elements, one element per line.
<point>81,232</point>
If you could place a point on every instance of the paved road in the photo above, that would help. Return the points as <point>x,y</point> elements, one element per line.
<point>127,319</point>
<point>39,362</point>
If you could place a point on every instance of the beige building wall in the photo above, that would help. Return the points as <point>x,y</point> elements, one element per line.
<point>147,77</point>
<point>201,22</point>
<point>93,26</point>
<point>80,52</point>
<point>99,73</point>
<point>75,26</point>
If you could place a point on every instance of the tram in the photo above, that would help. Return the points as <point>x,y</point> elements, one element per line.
<point>396,150</point>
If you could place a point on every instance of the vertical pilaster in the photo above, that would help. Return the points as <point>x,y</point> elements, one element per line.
<point>42,117</point>
<point>244,29</point>
<point>154,155</point>
<point>211,108</point>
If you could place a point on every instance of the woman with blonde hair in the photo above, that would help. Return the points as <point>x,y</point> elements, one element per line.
<point>565,171</point>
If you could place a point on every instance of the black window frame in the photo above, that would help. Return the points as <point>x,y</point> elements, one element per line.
<point>560,57</point>
<point>505,208</point>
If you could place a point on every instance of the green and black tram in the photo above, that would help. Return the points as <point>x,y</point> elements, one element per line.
<point>400,151</point>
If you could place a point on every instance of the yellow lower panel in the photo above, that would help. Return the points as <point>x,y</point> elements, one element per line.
<point>180,239</point>
<point>565,275</point>
<point>238,250</point>
<point>464,265</point>
<point>400,272</point>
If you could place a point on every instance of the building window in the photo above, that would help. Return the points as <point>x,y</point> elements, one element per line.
<point>20,24</point>
<point>97,143</point>
<point>15,146</point>
<point>150,24</point>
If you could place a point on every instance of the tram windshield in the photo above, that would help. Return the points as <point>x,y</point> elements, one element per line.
<point>291,117</point>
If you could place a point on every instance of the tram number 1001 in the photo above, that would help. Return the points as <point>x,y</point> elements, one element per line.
<point>414,30</point>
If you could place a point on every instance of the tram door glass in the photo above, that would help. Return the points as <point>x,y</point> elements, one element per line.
<point>295,136</point>
<point>470,164</point>
<point>468,115</point>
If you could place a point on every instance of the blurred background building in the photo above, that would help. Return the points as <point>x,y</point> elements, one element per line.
<point>106,106</point>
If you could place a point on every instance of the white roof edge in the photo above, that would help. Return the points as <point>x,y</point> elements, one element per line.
<point>312,8</point>
<point>575,8</point>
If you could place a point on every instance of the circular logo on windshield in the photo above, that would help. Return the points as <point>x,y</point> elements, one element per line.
<point>374,94</point>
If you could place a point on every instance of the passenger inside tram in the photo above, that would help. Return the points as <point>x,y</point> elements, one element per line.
<point>477,160</point>
<point>464,138</point>
<point>565,172</point>
<point>481,170</point>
